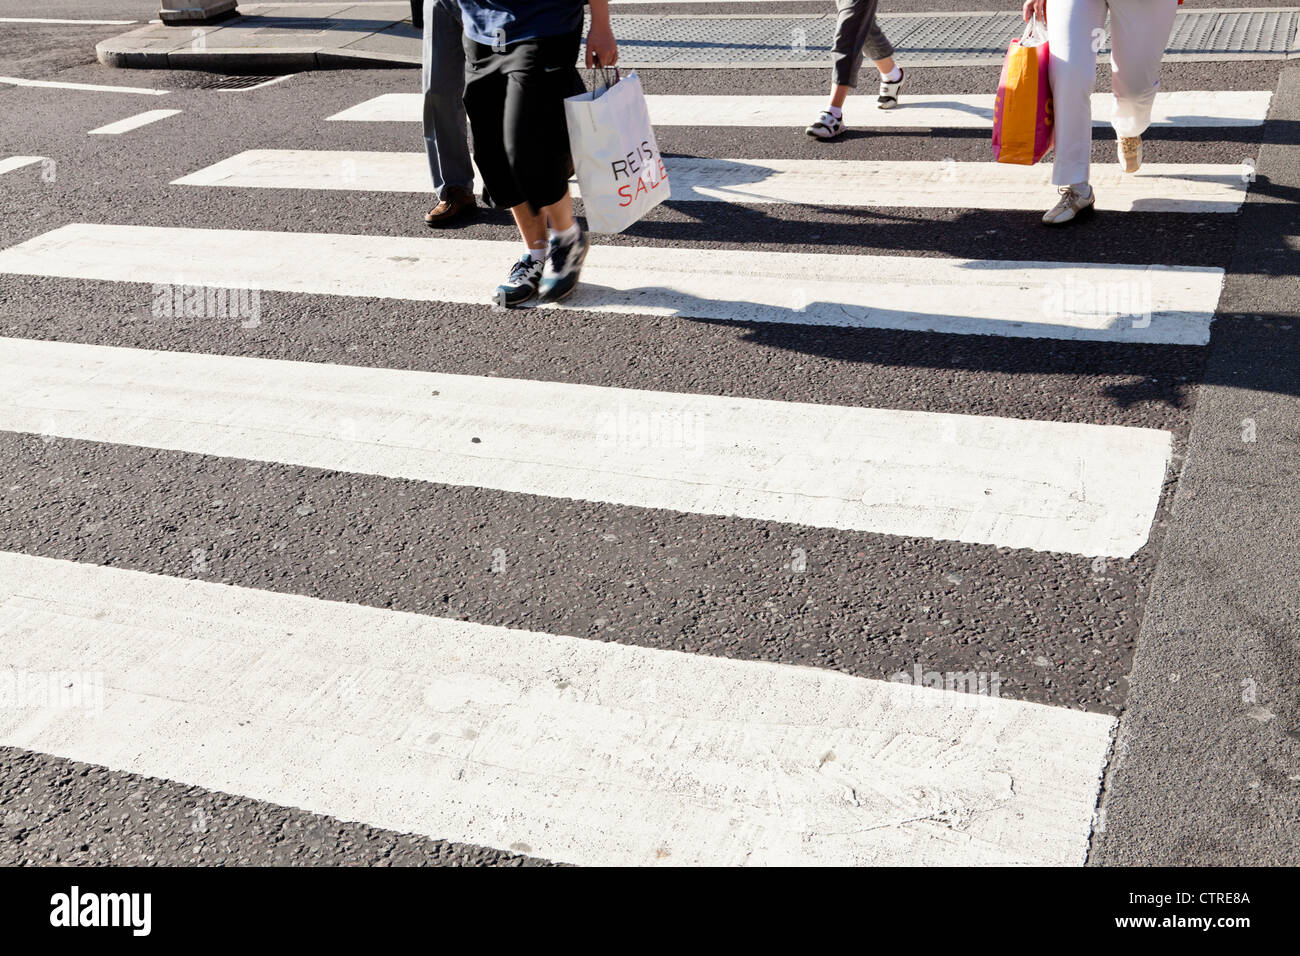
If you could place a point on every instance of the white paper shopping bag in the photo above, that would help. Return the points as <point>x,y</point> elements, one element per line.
<point>620,173</point>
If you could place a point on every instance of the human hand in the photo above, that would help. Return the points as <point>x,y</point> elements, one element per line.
<point>602,50</point>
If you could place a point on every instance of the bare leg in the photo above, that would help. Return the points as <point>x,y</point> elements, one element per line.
<point>560,214</point>
<point>840,93</point>
<point>532,225</point>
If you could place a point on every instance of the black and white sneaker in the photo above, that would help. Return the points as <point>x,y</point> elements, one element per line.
<point>828,126</point>
<point>521,285</point>
<point>563,266</point>
<point>888,97</point>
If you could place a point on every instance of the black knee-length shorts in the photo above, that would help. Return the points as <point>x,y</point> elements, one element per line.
<point>515,102</point>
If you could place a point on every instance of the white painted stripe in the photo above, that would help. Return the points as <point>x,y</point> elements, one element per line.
<point>1186,188</point>
<point>102,23</point>
<point>568,749</point>
<point>1082,301</point>
<point>10,163</point>
<point>133,122</point>
<point>1050,486</point>
<point>1191,108</point>
<point>89,87</point>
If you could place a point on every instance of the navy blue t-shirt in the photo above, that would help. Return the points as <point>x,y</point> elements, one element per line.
<point>520,19</point>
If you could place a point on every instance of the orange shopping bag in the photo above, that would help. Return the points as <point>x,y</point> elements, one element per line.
<point>1022,113</point>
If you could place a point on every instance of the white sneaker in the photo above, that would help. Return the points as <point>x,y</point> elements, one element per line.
<point>1070,206</point>
<point>888,97</point>
<point>521,285</point>
<point>828,126</point>
<point>1130,153</point>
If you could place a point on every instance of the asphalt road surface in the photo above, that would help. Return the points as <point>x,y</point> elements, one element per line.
<point>261,543</point>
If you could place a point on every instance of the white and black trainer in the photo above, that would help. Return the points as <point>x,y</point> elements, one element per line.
<point>563,266</point>
<point>828,126</point>
<point>522,283</point>
<point>888,97</point>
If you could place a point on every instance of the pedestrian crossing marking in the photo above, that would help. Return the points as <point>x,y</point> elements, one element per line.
<point>944,184</point>
<point>587,751</point>
<point>1181,108</point>
<point>133,122</point>
<point>86,87</point>
<point>1045,485</point>
<point>583,751</point>
<point>10,163</point>
<point>1080,301</point>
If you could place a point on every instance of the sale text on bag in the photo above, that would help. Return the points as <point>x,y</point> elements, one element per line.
<point>644,164</point>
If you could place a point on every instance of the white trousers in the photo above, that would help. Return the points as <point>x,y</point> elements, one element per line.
<point>1139,32</point>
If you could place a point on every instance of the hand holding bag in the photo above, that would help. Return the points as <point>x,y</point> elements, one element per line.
<point>620,173</point>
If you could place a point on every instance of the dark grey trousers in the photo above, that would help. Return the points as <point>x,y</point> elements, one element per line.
<point>856,33</point>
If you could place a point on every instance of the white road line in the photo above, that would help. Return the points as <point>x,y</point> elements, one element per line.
<point>101,23</point>
<point>945,184</point>
<point>1050,486</point>
<point>132,122</point>
<point>1092,302</point>
<point>88,87</point>
<point>568,749</point>
<point>10,163</point>
<point>1193,108</point>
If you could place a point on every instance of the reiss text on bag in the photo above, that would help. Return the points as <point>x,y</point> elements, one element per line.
<point>621,173</point>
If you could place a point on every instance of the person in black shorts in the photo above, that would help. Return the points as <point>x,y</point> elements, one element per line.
<point>520,65</point>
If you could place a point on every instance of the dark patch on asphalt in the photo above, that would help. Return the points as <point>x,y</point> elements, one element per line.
<point>56,811</point>
<point>1111,383</point>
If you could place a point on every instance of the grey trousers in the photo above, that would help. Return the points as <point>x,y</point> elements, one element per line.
<point>855,32</point>
<point>446,130</point>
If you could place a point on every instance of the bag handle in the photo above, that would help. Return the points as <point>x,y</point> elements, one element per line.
<point>604,72</point>
<point>1035,33</point>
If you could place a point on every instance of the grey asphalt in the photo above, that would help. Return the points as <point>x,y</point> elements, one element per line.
<point>1207,763</point>
<point>1220,557</point>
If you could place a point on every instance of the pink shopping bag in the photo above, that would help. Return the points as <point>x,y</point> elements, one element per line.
<point>1022,114</point>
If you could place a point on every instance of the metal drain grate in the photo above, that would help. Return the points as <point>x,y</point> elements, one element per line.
<point>1258,31</point>
<point>232,82</point>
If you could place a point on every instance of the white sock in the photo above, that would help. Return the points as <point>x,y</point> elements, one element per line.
<point>835,111</point>
<point>893,76</point>
<point>567,236</point>
<point>1083,189</point>
<point>537,253</point>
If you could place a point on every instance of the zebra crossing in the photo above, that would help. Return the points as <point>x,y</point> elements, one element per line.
<point>1015,299</point>
<point>554,744</point>
<point>1184,108</point>
<point>1189,188</point>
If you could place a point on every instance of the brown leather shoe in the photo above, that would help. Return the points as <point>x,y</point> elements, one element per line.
<point>458,203</point>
